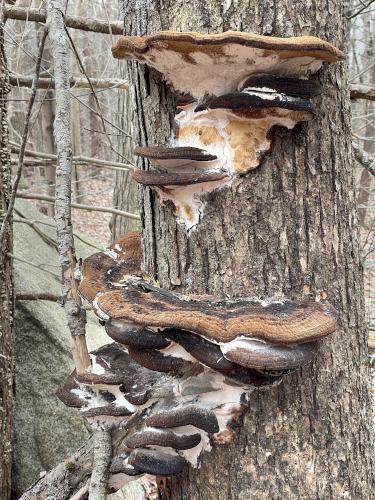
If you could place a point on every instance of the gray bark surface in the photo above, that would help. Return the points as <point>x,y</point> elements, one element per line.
<point>76,316</point>
<point>126,193</point>
<point>289,227</point>
<point>80,23</point>
<point>102,460</point>
<point>6,290</point>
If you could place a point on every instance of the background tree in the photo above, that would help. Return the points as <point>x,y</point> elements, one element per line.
<point>288,228</point>
<point>6,289</point>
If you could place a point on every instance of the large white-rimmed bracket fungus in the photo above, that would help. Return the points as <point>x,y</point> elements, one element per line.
<point>180,371</point>
<point>168,332</point>
<point>235,88</point>
<point>260,335</point>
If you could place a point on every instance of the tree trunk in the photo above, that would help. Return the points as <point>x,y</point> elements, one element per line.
<point>369,146</point>
<point>6,293</point>
<point>43,136</point>
<point>289,227</point>
<point>126,194</point>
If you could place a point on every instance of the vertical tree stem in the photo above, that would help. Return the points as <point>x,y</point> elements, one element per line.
<point>21,155</point>
<point>76,316</point>
<point>6,288</point>
<point>102,460</point>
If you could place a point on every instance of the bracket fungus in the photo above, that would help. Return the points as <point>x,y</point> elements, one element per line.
<point>104,271</point>
<point>180,370</point>
<point>235,88</point>
<point>204,64</point>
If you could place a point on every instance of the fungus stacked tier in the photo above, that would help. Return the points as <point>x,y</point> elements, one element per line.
<point>181,367</point>
<point>234,88</point>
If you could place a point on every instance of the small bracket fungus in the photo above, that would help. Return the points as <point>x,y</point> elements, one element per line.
<point>104,271</point>
<point>235,88</point>
<point>181,369</point>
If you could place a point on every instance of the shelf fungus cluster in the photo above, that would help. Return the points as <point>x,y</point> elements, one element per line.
<point>235,88</point>
<point>178,374</point>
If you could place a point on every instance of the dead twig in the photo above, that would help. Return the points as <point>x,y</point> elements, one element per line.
<point>80,23</point>
<point>90,208</point>
<point>14,147</point>
<point>76,315</point>
<point>36,266</point>
<point>25,134</point>
<point>365,159</point>
<point>82,83</point>
<point>360,10</point>
<point>82,68</point>
<point>38,296</point>
<point>362,92</point>
<point>33,223</point>
<point>102,460</point>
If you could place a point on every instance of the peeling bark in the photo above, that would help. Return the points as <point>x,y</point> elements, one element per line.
<point>287,228</point>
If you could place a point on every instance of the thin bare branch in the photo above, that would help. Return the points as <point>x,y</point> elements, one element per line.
<point>75,314</point>
<point>360,10</point>
<point>33,223</point>
<point>102,460</point>
<point>90,208</point>
<point>36,266</point>
<point>80,23</point>
<point>99,112</point>
<point>38,296</point>
<point>365,159</point>
<point>25,134</point>
<point>49,83</point>
<point>73,95</point>
<point>365,70</point>
<point>76,159</point>
<point>362,92</point>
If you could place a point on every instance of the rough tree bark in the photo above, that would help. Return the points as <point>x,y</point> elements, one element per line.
<point>289,227</point>
<point>101,463</point>
<point>369,145</point>
<point>125,194</point>
<point>6,291</point>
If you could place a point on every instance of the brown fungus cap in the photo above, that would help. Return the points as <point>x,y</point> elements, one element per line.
<point>147,178</point>
<point>174,153</point>
<point>298,87</point>
<point>247,102</point>
<point>116,368</point>
<point>190,414</point>
<point>265,356</point>
<point>285,322</point>
<point>156,462</point>
<point>70,392</point>
<point>101,270</point>
<point>215,64</point>
<point>166,438</point>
